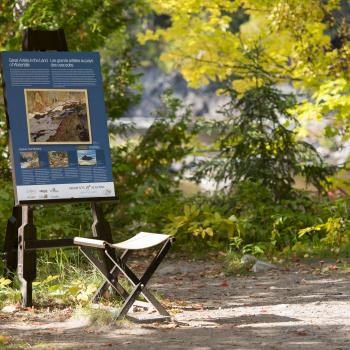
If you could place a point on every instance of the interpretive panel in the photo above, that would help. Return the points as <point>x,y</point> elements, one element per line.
<point>58,127</point>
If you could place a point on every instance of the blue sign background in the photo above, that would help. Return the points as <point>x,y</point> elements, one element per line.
<point>67,70</point>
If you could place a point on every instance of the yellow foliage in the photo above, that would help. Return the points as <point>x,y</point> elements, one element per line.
<point>4,282</point>
<point>293,34</point>
<point>244,84</point>
<point>4,339</point>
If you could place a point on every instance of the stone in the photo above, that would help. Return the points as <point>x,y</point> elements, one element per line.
<point>9,309</point>
<point>248,261</point>
<point>302,331</point>
<point>262,266</point>
<point>184,269</point>
<point>168,270</point>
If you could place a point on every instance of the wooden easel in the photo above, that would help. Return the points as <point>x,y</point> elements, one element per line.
<point>21,241</point>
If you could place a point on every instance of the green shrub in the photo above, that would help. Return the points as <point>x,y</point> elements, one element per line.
<point>257,139</point>
<point>6,203</point>
<point>250,221</point>
<point>201,222</point>
<point>147,187</point>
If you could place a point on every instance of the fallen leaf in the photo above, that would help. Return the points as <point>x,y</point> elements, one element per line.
<point>224,284</point>
<point>5,339</point>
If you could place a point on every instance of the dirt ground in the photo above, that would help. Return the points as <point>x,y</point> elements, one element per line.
<point>304,307</point>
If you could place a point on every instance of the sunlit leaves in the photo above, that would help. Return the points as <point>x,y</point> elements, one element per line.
<point>202,222</point>
<point>4,282</point>
<point>293,34</point>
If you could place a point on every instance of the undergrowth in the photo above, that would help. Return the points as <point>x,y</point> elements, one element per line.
<point>63,279</point>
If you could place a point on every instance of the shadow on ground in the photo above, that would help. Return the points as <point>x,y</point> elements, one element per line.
<point>297,309</point>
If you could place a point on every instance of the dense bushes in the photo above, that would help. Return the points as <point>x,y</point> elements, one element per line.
<point>251,221</point>
<point>146,183</point>
<point>252,215</point>
<point>259,211</point>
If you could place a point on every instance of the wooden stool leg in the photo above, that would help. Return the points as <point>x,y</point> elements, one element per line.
<point>26,258</point>
<point>140,284</point>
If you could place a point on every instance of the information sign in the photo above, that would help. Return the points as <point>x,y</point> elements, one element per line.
<point>58,127</point>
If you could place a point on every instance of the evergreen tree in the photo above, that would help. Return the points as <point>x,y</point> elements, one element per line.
<point>257,142</point>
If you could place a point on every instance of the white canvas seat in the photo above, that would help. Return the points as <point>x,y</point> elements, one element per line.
<point>142,240</point>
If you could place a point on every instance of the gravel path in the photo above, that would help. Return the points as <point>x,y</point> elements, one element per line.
<point>306,307</point>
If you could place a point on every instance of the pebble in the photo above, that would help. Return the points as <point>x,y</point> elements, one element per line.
<point>261,266</point>
<point>9,309</point>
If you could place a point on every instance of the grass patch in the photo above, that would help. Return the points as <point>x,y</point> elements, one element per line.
<point>63,279</point>
<point>315,250</point>
<point>233,264</point>
<point>101,315</point>
<point>9,343</point>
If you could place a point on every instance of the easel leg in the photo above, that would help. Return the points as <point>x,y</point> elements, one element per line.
<point>11,241</point>
<point>101,230</point>
<point>26,259</point>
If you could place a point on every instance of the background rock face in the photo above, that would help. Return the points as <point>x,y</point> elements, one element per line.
<point>204,100</point>
<point>206,103</point>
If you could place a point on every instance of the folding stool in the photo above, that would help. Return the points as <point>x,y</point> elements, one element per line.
<point>142,240</point>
